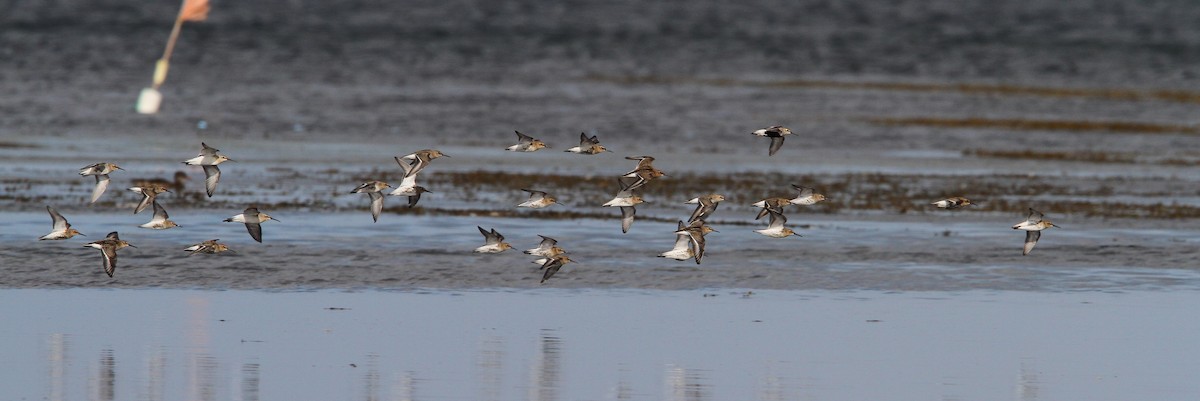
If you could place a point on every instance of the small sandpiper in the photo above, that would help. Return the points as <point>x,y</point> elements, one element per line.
<point>493,242</point>
<point>108,248</point>
<point>526,143</point>
<point>626,199</point>
<point>807,196</point>
<point>253,220</point>
<point>374,190</point>
<point>683,246</point>
<point>61,228</point>
<point>537,199</point>
<point>209,159</point>
<point>771,204</point>
<point>101,171</point>
<point>776,133</point>
<point>420,159</point>
<point>775,228</point>
<point>644,172</point>
<point>210,246</point>
<point>696,232</point>
<point>549,254</point>
<point>589,146</point>
<point>552,265</point>
<point>543,247</point>
<point>1033,226</point>
<point>408,186</point>
<point>160,221</point>
<point>149,193</point>
<point>952,203</point>
<point>705,206</point>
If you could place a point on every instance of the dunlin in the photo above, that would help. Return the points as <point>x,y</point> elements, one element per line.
<point>552,252</point>
<point>1033,226</point>
<point>771,204</point>
<point>776,133</point>
<point>253,220</point>
<point>683,246</point>
<point>589,146</point>
<point>373,189</point>
<point>537,199</point>
<point>420,159</point>
<point>626,199</point>
<point>101,171</point>
<point>493,242</point>
<point>696,232</point>
<point>108,248</point>
<point>408,186</point>
<point>526,143</point>
<point>61,228</point>
<point>807,196</point>
<point>553,265</point>
<point>210,246</point>
<point>149,193</point>
<point>775,228</point>
<point>952,203</point>
<point>543,247</point>
<point>644,172</point>
<point>160,221</point>
<point>209,159</point>
<point>705,206</point>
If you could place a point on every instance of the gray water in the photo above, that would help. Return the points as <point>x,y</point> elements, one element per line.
<point>611,345</point>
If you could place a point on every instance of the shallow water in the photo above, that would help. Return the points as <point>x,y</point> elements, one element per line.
<point>346,250</point>
<point>562,345</point>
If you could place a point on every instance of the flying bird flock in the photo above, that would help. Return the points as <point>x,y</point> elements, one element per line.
<point>551,258</point>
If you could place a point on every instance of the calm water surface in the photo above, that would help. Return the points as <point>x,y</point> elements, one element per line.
<point>569,345</point>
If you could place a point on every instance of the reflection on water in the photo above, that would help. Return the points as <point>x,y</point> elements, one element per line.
<point>185,345</point>
<point>774,386</point>
<point>371,378</point>
<point>250,381</point>
<point>403,388</point>
<point>1027,382</point>
<point>156,365</point>
<point>685,384</point>
<point>106,377</point>
<point>202,367</point>
<point>56,359</point>
<point>547,367</point>
<point>490,365</point>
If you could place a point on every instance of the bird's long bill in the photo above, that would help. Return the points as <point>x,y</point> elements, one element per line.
<point>80,234</point>
<point>1055,225</point>
<point>130,245</point>
<point>273,218</point>
<point>231,160</point>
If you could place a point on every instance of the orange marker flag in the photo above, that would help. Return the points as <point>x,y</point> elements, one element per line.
<point>194,10</point>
